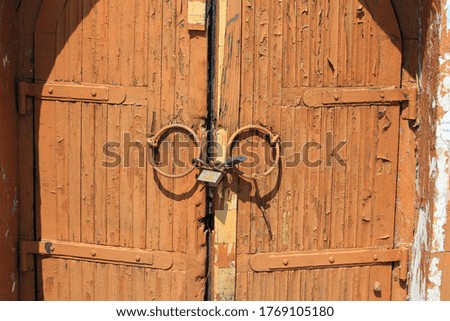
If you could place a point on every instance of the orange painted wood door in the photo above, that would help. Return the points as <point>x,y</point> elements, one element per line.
<point>325,197</point>
<point>96,196</point>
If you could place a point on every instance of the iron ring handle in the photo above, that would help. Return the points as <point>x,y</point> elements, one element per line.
<point>274,142</point>
<point>154,143</point>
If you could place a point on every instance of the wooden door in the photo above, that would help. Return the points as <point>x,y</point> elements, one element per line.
<point>318,74</point>
<point>108,75</point>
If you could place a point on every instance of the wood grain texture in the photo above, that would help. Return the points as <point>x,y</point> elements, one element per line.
<point>139,44</point>
<point>286,48</point>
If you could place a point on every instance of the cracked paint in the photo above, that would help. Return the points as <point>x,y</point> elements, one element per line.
<point>435,278</point>
<point>417,290</point>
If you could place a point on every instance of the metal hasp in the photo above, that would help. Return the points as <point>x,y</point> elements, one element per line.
<point>94,253</point>
<point>330,97</point>
<point>62,91</point>
<point>266,262</point>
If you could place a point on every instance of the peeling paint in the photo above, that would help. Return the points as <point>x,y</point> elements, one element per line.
<point>447,13</point>
<point>4,176</point>
<point>435,278</point>
<point>15,205</point>
<point>13,278</point>
<point>5,61</point>
<point>417,280</point>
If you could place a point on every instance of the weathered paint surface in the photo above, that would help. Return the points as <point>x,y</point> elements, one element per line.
<point>266,69</point>
<point>145,47</point>
<point>9,211</point>
<point>429,266</point>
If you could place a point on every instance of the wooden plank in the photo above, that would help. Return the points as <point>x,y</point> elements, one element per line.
<point>88,281</point>
<point>87,173</point>
<point>63,277</point>
<point>385,176</point>
<point>62,169</point>
<point>195,205</point>
<point>153,119</point>
<point>45,136</point>
<point>181,99</point>
<point>168,84</point>
<point>75,281</point>
<point>74,171</point>
<point>101,282</point>
<point>138,284</point>
<point>114,276</point>
<point>246,209</point>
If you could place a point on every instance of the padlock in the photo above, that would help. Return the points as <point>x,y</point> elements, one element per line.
<point>213,173</point>
<point>210,178</point>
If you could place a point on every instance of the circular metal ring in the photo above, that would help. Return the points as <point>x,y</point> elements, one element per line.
<point>154,142</point>
<point>274,143</point>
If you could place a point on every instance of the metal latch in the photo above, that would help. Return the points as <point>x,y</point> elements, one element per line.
<point>212,174</point>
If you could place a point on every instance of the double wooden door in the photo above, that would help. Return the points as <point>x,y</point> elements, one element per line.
<point>322,77</point>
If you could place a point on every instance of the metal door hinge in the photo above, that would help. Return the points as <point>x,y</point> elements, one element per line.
<point>331,97</point>
<point>72,92</point>
<point>94,253</point>
<point>266,262</point>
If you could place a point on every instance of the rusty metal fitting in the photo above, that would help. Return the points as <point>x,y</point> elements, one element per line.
<point>273,140</point>
<point>154,142</point>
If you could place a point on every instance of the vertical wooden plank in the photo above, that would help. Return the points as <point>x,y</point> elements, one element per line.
<point>246,210</point>
<point>274,121</point>
<point>88,281</point>
<point>150,285</point>
<point>304,40</point>
<point>168,83</point>
<point>74,177</point>
<point>139,284</point>
<point>259,233</point>
<point>352,179</point>
<point>339,183</point>
<point>228,98</point>
<point>125,283</point>
<point>46,133</point>
<point>242,286</point>
<point>49,288</point>
<point>62,167</point>
<point>195,205</point>
<point>126,171</point>
<point>139,134</point>
<point>100,75</point>
<point>63,277</point>
<point>179,289</point>
<point>181,153</point>
<point>101,282</point>
<point>385,176</point>
<point>153,118</point>
<point>113,285</point>
<point>113,127</point>
<point>367,173</point>
<point>87,172</point>
<point>141,43</point>
<point>76,280</point>
<point>290,46</point>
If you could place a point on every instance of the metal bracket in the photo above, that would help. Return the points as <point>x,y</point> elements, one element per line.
<point>63,91</point>
<point>331,97</point>
<point>266,262</point>
<point>94,253</point>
